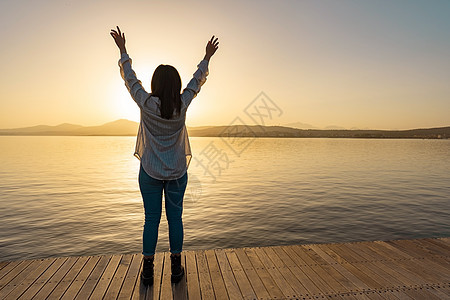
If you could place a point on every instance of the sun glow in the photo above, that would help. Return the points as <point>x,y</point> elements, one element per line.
<point>124,106</point>
<point>128,109</point>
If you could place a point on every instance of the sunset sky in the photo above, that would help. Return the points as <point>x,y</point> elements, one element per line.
<point>366,64</point>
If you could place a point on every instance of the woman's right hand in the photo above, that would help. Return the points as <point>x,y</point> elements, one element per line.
<point>211,47</point>
<point>119,38</point>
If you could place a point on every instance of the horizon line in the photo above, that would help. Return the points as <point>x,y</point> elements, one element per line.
<point>267,125</point>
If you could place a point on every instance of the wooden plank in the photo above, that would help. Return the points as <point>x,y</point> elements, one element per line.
<point>411,265</point>
<point>116,283</point>
<point>440,262</point>
<point>291,279</point>
<point>228,276</point>
<point>206,288</point>
<point>297,254</point>
<point>438,292</point>
<point>397,269</point>
<point>42,280</point>
<point>440,243</point>
<point>437,264</point>
<point>193,285</point>
<point>301,253</point>
<point>330,278</point>
<point>14,278</point>
<point>358,296</point>
<point>106,278</point>
<point>132,276</point>
<point>263,273</point>
<point>15,268</point>
<point>72,291</point>
<point>444,289</point>
<point>370,295</point>
<point>396,294</point>
<point>311,255</point>
<point>424,268</point>
<point>330,275</point>
<point>153,291</point>
<point>409,278</point>
<point>354,257</point>
<point>348,254</point>
<point>220,291</point>
<point>445,239</point>
<point>399,274</point>
<point>420,293</point>
<point>140,289</point>
<point>255,281</point>
<point>277,276</point>
<point>10,266</point>
<point>30,279</point>
<point>432,248</point>
<point>56,278</point>
<point>357,282</point>
<point>311,288</point>
<point>166,285</point>
<point>341,254</point>
<point>68,278</point>
<point>368,253</point>
<point>370,279</point>
<point>2,265</point>
<point>93,278</point>
<point>241,278</point>
<point>410,248</point>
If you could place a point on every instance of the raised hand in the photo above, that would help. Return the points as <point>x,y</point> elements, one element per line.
<point>211,47</point>
<point>119,38</point>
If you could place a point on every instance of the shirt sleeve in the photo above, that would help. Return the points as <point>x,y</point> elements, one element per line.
<point>133,85</point>
<point>194,85</point>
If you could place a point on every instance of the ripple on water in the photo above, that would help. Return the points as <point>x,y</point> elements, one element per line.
<point>59,196</point>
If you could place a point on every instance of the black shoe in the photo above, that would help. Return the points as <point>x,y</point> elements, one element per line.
<point>177,268</point>
<point>147,271</point>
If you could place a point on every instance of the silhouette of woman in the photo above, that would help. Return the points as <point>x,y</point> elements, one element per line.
<point>163,148</point>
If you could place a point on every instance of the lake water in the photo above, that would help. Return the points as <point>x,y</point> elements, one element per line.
<point>62,196</point>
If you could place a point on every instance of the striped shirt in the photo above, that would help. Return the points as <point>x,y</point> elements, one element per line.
<point>162,145</point>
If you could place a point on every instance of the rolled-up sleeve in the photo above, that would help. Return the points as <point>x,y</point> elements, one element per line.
<point>133,85</point>
<point>194,85</point>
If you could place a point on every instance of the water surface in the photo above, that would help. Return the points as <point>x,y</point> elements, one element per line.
<point>63,196</point>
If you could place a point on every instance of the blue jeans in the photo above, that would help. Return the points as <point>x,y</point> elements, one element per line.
<point>151,191</point>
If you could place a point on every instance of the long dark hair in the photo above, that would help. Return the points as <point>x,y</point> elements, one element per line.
<point>166,85</point>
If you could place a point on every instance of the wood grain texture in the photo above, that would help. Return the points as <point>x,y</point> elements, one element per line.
<point>373,270</point>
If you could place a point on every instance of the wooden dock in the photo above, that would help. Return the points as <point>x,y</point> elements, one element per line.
<point>396,269</point>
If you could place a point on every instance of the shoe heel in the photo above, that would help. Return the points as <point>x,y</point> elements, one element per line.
<point>177,278</point>
<point>147,281</point>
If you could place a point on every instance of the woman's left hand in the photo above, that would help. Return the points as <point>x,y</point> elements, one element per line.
<point>119,38</point>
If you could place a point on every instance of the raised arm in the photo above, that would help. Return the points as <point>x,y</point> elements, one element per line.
<point>199,78</point>
<point>133,85</point>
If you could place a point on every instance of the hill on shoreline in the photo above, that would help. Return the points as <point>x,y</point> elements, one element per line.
<point>125,127</point>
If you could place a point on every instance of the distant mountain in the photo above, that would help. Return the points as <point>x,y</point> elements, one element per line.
<point>119,127</point>
<point>280,131</point>
<point>300,125</point>
<point>125,127</point>
<point>334,127</point>
<point>43,128</point>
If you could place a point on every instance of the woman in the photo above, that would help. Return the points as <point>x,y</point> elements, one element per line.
<point>163,149</point>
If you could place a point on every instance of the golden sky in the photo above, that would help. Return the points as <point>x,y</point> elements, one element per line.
<point>378,64</point>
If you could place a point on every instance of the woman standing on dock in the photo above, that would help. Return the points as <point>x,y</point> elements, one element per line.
<point>163,149</point>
